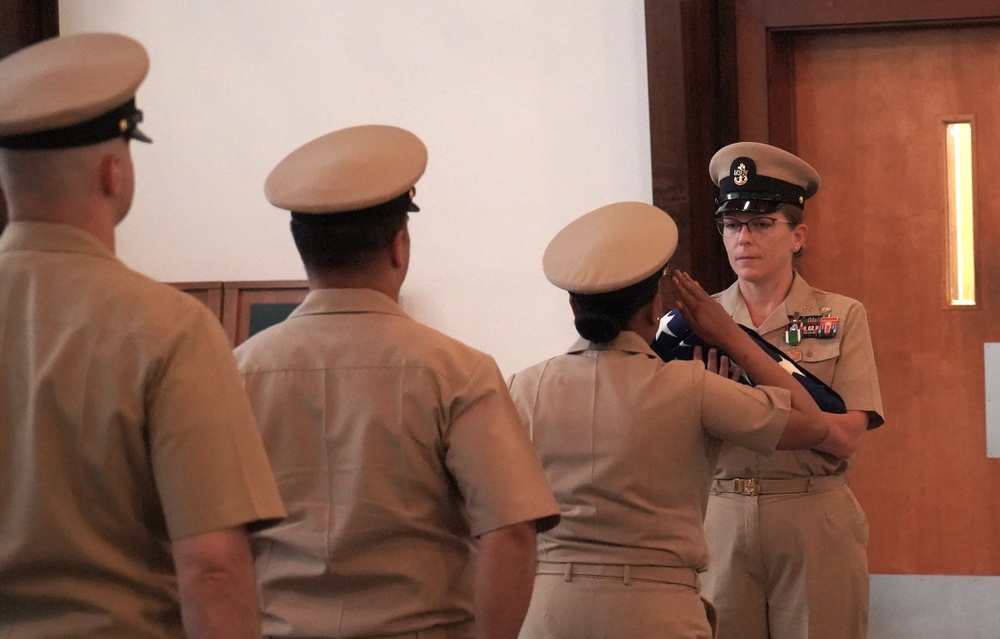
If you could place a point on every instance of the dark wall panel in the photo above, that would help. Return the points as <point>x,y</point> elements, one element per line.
<point>688,122</point>
<point>23,22</point>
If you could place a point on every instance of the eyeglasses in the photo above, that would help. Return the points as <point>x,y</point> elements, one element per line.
<point>731,227</point>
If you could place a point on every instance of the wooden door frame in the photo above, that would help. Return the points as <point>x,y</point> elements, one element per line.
<point>764,32</point>
<point>690,118</point>
<point>720,71</point>
<point>25,22</point>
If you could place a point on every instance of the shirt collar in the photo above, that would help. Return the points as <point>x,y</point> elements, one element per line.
<point>326,301</point>
<point>51,237</point>
<point>800,299</point>
<point>627,342</point>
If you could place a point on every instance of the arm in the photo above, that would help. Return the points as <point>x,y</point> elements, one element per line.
<point>505,576</point>
<point>215,581</point>
<point>845,435</point>
<point>806,426</point>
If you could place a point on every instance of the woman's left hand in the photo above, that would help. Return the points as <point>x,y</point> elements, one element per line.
<point>718,363</point>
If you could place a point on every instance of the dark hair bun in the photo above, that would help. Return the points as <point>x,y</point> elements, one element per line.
<point>597,327</point>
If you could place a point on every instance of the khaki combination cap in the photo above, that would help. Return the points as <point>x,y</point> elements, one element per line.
<point>71,91</point>
<point>610,248</point>
<point>349,170</point>
<point>758,178</point>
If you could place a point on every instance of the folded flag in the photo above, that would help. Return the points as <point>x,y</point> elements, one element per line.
<point>676,340</point>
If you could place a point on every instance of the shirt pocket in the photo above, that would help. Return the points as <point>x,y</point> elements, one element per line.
<point>820,357</point>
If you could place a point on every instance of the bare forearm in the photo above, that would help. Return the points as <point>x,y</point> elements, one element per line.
<point>215,580</point>
<point>219,606</point>
<point>505,576</point>
<point>846,432</point>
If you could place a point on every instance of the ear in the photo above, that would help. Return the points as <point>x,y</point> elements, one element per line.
<point>656,309</point>
<point>399,248</point>
<point>801,234</point>
<point>111,175</point>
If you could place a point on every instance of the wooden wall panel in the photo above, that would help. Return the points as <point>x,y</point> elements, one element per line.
<point>240,298</point>
<point>246,307</point>
<point>23,22</point>
<point>687,125</point>
<point>208,293</point>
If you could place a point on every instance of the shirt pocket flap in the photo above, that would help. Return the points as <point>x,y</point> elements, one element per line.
<point>819,350</point>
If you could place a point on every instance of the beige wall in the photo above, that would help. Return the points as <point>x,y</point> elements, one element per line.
<point>533,113</point>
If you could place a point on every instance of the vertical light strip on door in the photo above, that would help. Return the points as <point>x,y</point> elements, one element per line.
<point>961,256</point>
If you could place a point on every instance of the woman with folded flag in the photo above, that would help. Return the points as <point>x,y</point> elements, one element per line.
<point>787,538</point>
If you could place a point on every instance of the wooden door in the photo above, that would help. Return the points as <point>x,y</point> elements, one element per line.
<point>870,114</point>
<point>861,90</point>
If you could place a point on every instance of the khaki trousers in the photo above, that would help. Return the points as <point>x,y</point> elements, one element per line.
<point>788,565</point>
<point>582,606</point>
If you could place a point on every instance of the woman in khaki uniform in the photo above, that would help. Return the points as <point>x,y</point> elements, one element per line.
<point>786,535</point>
<point>629,443</point>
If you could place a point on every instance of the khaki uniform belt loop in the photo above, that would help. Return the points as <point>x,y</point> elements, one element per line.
<point>627,573</point>
<point>751,487</point>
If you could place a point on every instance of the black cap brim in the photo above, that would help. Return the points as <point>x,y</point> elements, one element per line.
<point>136,134</point>
<point>747,206</point>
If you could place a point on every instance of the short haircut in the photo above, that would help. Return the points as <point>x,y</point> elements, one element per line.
<point>345,241</point>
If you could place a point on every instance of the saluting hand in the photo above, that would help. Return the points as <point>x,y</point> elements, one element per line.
<point>702,313</point>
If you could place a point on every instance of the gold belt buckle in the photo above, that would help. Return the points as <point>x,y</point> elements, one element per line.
<point>748,487</point>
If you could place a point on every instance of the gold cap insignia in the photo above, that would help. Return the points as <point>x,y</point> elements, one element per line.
<point>740,174</point>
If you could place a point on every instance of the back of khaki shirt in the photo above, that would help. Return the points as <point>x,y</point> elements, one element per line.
<point>393,446</point>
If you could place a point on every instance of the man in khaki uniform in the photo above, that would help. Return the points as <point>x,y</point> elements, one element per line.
<point>629,443</point>
<point>787,538</point>
<point>129,460</point>
<point>395,447</point>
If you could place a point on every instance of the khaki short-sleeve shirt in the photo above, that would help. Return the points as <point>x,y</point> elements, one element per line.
<point>393,446</point>
<point>629,445</point>
<point>123,425</point>
<point>846,363</point>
